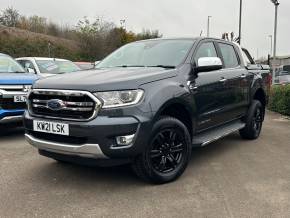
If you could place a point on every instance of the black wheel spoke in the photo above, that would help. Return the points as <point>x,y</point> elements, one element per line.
<point>160,139</point>
<point>162,163</point>
<point>172,160</point>
<point>172,136</point>
<point>155,153</point>
<point>257,119</point>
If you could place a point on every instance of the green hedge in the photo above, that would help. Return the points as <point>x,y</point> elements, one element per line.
<point>22,47</point>
<point>280,99</point>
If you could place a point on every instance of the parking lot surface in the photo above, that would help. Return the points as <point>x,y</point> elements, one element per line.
<point>229,178</point>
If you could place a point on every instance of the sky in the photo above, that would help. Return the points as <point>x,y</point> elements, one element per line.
<point>175,18</point>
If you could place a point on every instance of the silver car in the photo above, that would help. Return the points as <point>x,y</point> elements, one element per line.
<point>47,66</point>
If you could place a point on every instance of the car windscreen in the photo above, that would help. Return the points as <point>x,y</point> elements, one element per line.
<point>8,65</point>
<point>149,54</point>
<point>56,67</point>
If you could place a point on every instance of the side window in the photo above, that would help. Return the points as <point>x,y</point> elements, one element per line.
<point>246,58</point>
<point>27,65</point>
<point>206,49</point>
<point>229,55</point>
<point>22,63</point>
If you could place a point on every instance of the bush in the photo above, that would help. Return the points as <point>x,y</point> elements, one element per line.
<point>23,47</point>
<point>280,99</point>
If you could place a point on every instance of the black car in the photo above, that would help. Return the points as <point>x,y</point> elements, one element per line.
<point>149,103</point>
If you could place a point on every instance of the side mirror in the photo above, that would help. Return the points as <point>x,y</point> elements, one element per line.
<point>209,64</point>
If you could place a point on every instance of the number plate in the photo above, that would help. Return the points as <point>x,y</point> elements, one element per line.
<point>20,98</point>
<point>51,127</point>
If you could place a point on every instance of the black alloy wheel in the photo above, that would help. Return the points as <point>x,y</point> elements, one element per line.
<point>167,150</point>
<point>167,154</point>
<point>254,121</point>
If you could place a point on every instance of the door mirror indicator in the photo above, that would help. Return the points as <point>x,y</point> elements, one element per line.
<point>206,64</point>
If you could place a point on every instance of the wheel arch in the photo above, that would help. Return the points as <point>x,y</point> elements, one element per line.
<point>260,96</point>
<point>180,110</point>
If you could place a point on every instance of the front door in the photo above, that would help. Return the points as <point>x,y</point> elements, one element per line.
<point>208,89</point>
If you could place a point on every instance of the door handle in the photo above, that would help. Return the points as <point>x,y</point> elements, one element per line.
<point>243,76</point>
<point>222,80</point>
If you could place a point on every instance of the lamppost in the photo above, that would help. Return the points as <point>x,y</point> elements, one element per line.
<point>276,3</point>
<point>240,21</point>
<point>208,21</point>
<point>271,45</point>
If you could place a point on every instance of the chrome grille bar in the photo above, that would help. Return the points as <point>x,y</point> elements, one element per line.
<point>68,103</point>
<point>65,108</point>
<point>76,105</point>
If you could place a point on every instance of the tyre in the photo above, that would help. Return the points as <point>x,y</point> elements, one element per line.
<point>168,152</point>
<point>254,121</point>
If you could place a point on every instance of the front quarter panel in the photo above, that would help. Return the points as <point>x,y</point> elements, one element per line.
<point>161,94</point>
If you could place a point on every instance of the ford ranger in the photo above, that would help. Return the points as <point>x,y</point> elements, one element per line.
<point>148,104</point>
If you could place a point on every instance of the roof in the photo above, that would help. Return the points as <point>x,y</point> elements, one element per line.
<point>1,54</point>
<point>282,57</point>
<point>41,58</point>
<point>188,38</point>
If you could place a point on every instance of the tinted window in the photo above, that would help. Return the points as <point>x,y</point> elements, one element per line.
<point>206,50</point>
<point>246,58</point>
<point>229,55</point>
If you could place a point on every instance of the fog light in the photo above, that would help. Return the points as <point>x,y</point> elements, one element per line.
<point>125,140</point>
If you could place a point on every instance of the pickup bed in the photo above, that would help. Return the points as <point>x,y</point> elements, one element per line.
<point>149,103</point>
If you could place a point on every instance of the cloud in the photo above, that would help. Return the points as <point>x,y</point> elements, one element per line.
<point>175,18</point>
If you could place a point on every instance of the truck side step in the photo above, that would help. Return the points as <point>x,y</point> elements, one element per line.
<point>210,136</point>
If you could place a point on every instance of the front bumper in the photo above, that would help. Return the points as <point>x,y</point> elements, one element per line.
<point>84,150</point>
<point>8,116</point>
<point>93,139</point>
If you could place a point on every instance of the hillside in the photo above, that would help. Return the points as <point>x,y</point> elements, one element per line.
<point>17,42</point>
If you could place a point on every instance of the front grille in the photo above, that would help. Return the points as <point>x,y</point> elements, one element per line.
<point>74,105</point>
<point>9,104</point>
<point>71,140</point>
<point>12,88</point>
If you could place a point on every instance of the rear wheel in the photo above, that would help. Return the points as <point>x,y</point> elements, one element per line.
<point>254,121</point>
<point>168,153</point>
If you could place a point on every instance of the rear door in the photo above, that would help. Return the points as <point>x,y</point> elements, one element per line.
<point>236,91</point>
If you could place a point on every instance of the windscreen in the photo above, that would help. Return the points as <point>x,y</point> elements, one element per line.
<point>8,65</point>
<point>149,54</point>
<point>56,67</point>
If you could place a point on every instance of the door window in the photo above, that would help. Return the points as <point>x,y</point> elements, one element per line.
<point>229,55</point>
<point>207,49</point>
<point>27,64</point>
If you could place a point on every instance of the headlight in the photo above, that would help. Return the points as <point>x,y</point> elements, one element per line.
<point>120,98</point>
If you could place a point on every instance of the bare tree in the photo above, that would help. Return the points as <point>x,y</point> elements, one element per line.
<point>9,17</point>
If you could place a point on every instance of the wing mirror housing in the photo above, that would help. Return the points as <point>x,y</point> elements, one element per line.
<point>207,64</point>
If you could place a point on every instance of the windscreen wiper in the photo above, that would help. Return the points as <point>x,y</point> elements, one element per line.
<point>130,66</point>
<point>164,66</point>
<point>19,72</point>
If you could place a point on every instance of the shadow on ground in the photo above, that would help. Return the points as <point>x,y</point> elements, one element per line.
<point>11,130</point>
<point>74,176</point>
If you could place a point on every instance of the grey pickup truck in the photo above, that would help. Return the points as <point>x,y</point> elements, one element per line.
<point>148,104</point>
